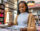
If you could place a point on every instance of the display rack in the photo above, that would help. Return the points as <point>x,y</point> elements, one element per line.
<point>2,11</point>
<point>37,17</point>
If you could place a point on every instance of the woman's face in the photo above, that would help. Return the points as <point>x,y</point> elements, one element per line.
<point>22,7</point>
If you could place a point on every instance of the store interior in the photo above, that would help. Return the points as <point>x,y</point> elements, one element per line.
<point>8,11</point>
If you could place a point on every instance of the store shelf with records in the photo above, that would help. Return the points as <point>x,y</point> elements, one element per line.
<point>2,11</point>
<point>37,19</point>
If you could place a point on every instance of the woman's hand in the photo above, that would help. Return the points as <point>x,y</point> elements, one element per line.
<point>23,29</point>
<point>31,29</point>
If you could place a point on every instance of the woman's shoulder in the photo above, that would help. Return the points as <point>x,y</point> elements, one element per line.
<point>30,14</point>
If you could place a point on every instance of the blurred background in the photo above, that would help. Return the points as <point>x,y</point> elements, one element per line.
<point>10,10</point>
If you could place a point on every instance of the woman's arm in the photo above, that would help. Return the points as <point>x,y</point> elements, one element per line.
<point>31,23</point>
<point>29,19</point>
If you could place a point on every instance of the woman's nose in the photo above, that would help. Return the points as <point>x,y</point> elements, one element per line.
<point>21,8</point>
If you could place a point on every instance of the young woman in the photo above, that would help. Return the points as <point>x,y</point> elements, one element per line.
<point>24,18</point>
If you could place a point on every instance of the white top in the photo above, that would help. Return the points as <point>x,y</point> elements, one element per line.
<point>22,20</point>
